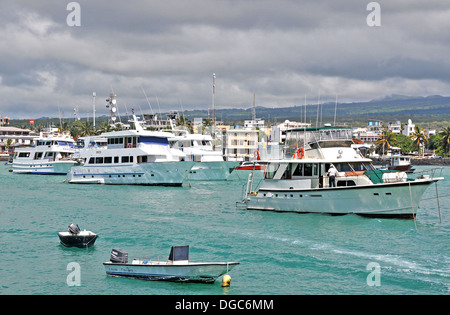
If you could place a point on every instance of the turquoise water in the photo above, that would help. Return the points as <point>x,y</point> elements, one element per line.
<point>280,253</point>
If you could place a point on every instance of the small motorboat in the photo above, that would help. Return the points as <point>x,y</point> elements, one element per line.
<point>74,237</point>
<point>177,268</point>
<point>246,165</point>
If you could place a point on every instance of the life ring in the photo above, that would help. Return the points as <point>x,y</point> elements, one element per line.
<point>300,153</point>
<point>256,155</point>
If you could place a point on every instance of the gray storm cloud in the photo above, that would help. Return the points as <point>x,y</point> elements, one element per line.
<point>283,50</point>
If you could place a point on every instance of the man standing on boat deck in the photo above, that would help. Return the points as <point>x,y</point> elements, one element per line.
<point>332,172</point>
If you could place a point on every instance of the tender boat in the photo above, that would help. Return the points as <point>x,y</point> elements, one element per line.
<point>299,183</point>
<point>74,237</point>
<point>47,156</point>
<point>130,157</point>
<point>249,166</point>
<point>177,268</point>
<point>209,164</point>
<point>245,168</point>
<point>400,163</point>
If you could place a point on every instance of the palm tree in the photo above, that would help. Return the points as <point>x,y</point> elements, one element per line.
<point>419,138</point>
<point>386,140</point>
<point>445,140</point>
<point>82,128</point>
<point>105,127</point>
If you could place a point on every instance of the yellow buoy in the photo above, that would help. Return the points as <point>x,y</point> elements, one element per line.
<point>226,281</point>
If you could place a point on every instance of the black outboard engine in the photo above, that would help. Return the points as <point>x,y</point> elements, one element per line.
<point>119,256</point>
<point>74,229</point>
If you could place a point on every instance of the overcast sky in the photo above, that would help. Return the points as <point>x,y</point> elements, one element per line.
<point>282,50</point>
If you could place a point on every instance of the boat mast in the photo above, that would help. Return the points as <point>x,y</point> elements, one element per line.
<point>93,109</point>
<point>335,108</point>
<point>214,101</point>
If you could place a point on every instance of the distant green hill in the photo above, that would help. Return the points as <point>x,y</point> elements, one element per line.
<point>433,111</point>
<point>427,112</point>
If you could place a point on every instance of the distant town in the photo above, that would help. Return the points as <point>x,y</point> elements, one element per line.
<point>242,141</point>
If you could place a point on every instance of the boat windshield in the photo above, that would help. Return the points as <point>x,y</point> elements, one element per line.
<point>296,170</point>
<point>307,137</point>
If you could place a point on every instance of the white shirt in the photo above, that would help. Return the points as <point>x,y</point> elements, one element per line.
<point>332,171</point>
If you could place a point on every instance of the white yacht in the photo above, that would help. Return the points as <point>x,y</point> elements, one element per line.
<point>209,164</point>
<point>300,183</point>
<point>131,157</point>
<point>46,156</point>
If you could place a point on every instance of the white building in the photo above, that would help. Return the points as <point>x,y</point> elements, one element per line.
<point>278,133</point>
<point>253,124</point>
<point>15,136</point>
<point>409,128</point>
<point>240,144</point>
<point>395,128</point>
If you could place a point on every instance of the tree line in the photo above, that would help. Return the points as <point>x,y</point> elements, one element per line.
<point>418,141</point>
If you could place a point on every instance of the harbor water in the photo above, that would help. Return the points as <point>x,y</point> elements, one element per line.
<point>279,253</point>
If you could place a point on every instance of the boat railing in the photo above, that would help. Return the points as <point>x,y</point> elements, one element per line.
<point>151,259</point>
<point>427,173</point>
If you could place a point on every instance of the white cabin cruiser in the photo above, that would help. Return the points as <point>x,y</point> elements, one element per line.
<point>178,267</point>
<point>300,183</point>
<point>209,164</point>
<point>47,156</point>
<point>130,157</point>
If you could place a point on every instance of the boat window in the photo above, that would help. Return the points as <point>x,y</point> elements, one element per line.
<point>108,159</point>
<point>99,160</point>
<point>368,166</point>
<point>343,167</point>
<point>271,168</point>
<point>316,169</point>
<point>125,159</point>
<point>38,155</point>
<point>287,173</point>
<point>24,154</point>
<point>307,169</point>
<point>49,154</point>
<point>343,183</point>
<point>280,173</point>
<point>298,170</point>
<point>91,160</point>
<point>116,159</point>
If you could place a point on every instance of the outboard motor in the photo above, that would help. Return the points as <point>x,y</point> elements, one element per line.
<point>119,256</point>
<point>74,229</point>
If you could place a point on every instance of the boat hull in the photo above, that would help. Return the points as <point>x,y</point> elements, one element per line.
<point>399,200</point>
<point>215,170</point>
<point>43,168</point>
<point>151,174</point>
<point>78,240</point>
<point>190,272</point>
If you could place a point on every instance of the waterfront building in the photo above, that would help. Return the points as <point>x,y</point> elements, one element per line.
<point>240,144</point>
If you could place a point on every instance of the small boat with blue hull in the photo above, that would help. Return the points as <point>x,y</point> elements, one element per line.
<point>177,268</point>
<point>74,237</point>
